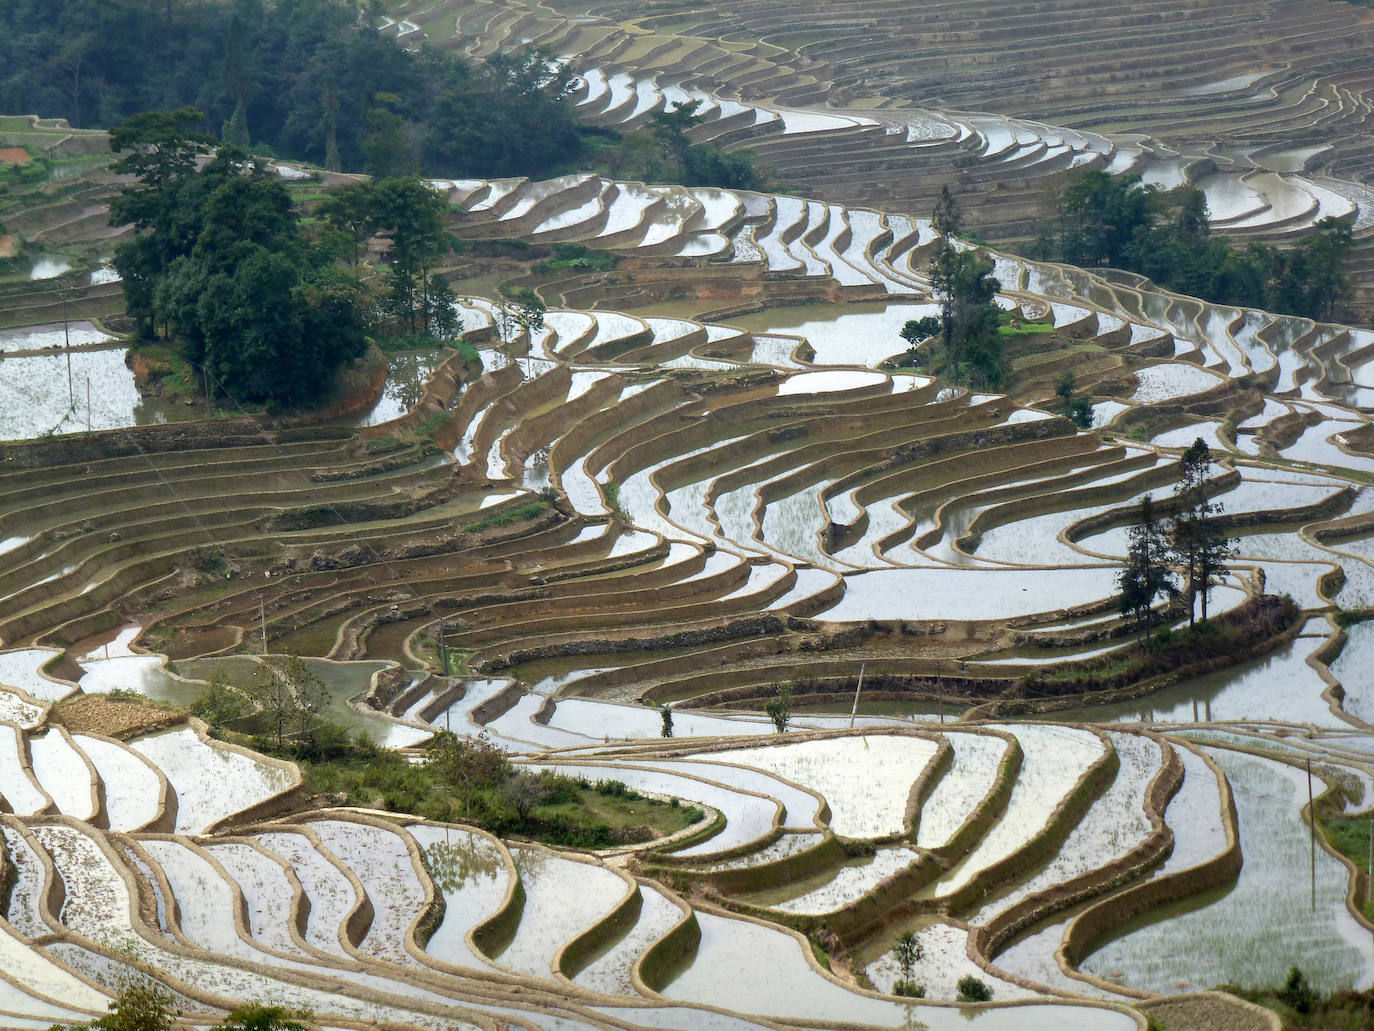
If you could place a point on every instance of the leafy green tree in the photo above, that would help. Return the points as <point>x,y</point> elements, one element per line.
<point>1297,992</point>
<point>1200,548</point>
<point>914,331</point>
<point>159,149</point>
<point>1092,218</point>
<point>349,209</point>
<point>907,951</point>
<point>387,144</point>
<point>665,713</point>
<point>779,708</point>
<point>468,764</point>
<point>946,219</point>
<point>963,283</point>
<point>410,214</point>
<point>220,262</point>
<point>1146,575</point>
<point>1078,409</point>
<point>141,1005</point>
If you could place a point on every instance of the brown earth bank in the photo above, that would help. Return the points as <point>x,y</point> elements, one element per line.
<point>1255,628</point>
<point>114,717</point>
<point>1209,1011</point>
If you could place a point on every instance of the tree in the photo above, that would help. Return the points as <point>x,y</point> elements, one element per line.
<point>907,951</point>
<point>219,262</point>
<point>387,143</point>
<point>287,692</point>
<point>963,283</point>
<point>159,150</point>
<point>349,209</point>
<point>779,709</point>
<point>1078,409</point>
<point>522,311</point>
<point>410,214</point>
<point>1199,547</point>
<point>467,764</point>
<point>524,791</point>
<point>141,1005</point>
<point>1146,575</point>
<point>1092,218</point>
<point>270,692</point>
<point>665,713</point>
<point>946,219</point>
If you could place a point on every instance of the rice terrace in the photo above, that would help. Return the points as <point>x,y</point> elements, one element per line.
<point>702,514</point>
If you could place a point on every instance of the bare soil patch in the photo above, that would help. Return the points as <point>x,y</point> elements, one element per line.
<point>115,717</point>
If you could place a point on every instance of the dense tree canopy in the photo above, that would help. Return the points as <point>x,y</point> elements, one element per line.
<point>219,262</point>
<point>304,78</point>
<point>1092,218</point>
<point>962,281</point>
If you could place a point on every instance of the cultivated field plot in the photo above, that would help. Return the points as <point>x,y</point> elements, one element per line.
<point>697,535</point>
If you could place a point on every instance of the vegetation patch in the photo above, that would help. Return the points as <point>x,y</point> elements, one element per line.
<point>1302,1006</point>
<point>1208,644</point>
<point>515,515</point>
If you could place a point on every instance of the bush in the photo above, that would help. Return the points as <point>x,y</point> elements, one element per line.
<point>615,789</point>
<point>1297,993</point>
<point>973,989</point>
<point>220,705</point>
<point>908,989</point>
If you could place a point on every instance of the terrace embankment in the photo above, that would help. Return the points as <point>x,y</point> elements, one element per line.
<point>1258,627</point>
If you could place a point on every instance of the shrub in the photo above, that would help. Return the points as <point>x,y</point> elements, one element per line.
<point>1297,993</point>
<point>973,989</point>
<point>908,989</point>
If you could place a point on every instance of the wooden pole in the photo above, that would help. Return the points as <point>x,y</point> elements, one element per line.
<point>67,336</point>
<point>857,688</point>
<point>1312,833</point>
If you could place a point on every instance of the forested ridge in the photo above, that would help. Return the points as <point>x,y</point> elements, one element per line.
<point>1091,218</point>
<point>307,79</point>
<point>316,81</point>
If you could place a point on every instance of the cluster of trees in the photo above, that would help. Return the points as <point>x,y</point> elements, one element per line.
<point>309,79</point>
<point>1092,218</point>
<point>221,263</point>
<point>409,214</point>
<point>968,323</point>
<point>264,307</point>
<point>283,700</point>
<point>1188,543</point>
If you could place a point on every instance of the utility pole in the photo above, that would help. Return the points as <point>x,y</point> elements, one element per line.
<point>67,336</point>
<point>262,618</point>
<point>857,688</point>
<point>1312,833</point>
